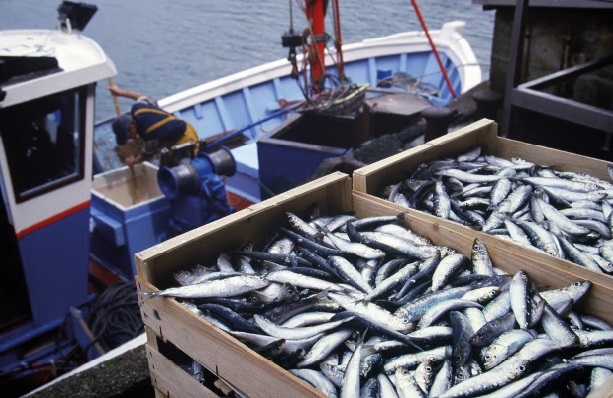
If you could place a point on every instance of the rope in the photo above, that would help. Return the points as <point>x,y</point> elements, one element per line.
<point>115,317</point>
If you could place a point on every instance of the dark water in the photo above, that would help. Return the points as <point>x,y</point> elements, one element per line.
<point>161,47</point>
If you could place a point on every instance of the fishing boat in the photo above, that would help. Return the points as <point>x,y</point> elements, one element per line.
<point>256,102</point>
<point>59,169</point>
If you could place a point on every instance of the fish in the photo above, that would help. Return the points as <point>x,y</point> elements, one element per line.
<point>439,309</point>
<point>519,296</point>
<point>372,312</point>
<point>535,204</point>
<point>446,268</point>
<point>462,333</point>
<point>504,346</point>
<point>318,380</point>
<point>294,333</point>
<point>227,287</point>
<point>325,346</point>
<point>441,325</point>
<point>406,385</point>
<point>350,385</point>
<point>481,261</point>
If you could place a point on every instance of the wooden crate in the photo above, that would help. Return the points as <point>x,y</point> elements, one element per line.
<point>173,332</point>
<point>370,179</point>
<point>168,322</point>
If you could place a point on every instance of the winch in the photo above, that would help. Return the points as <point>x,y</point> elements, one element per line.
<point>195,186</point>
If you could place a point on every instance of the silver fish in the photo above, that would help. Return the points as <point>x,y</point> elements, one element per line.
<point>424,375</point>
<point>470,155</point>
<point>438,310</point>
<point>500,376</point>
<point>349,273</point>
<point>309,282</point>
<point>406,385</point>
<point>540,237</point>
<point>446,268</point>
<point>350,387</point>
<point>372,312</point>
<point>386,388</point>
<point>325,346</point>
<point>566,224</point>
<point>519,298</point>
<point>557,329</point>
<point>443,380</point>
<point>318,380</point>
<point>482,263</point>
<point>468,177</point>
<point>294,333</point>
<point>227,287</point>
<point>353,247</point>
<point>598,377</point>
<point>561,183</point>
<point>414,359</point>
<point>261,340</point>
<point>500,190</point>
<point>504,346</point>
<point>442,205</point>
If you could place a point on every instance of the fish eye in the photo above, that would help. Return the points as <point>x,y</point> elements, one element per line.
<point>487,357</point>
<point>521,368</point>
<point>577,284</point>
<point>428,369</point>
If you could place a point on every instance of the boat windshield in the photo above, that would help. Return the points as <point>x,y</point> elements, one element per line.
<point>44,142</point>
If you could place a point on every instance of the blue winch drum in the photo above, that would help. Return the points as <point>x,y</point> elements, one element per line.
<point>182,178</point>
<point>185,177</point>
<point>223,161</point>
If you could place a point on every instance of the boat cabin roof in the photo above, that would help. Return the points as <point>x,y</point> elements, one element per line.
<point>37,63</point>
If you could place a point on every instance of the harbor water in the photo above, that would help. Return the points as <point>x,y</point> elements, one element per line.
<point>162,47</point>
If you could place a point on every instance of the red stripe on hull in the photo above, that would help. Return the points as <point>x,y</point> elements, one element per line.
<point>53,219</point>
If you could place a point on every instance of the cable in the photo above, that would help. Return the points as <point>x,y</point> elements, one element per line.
<point>115,317</point>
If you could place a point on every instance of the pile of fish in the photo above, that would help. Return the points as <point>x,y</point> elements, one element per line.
<point>368,308</point>
<point>565,214</point>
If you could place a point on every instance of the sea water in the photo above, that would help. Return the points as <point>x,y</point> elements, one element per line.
<point>162,47</point>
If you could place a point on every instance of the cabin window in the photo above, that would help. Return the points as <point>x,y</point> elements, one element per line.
<point>44,142</point>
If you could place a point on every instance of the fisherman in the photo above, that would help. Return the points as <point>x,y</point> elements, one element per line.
<point>156,127</point>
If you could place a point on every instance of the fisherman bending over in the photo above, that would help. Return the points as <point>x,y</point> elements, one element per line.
<point>156,127</point>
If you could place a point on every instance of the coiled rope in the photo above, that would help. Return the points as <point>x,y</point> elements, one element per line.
<point>114,315</point>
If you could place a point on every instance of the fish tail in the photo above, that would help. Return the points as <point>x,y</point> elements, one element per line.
<point>368,349</point>
<point>400,217</point>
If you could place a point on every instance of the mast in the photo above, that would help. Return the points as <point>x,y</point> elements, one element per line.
<point>316,12</point>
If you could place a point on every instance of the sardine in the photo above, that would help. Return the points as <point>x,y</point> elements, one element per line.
<point>227,287</point>
<point>504,346</point>
<point>318,380</point>
<point>294,333</point>
<point>520,299</point>
<point>326,345</point>
<point>406,386</point>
